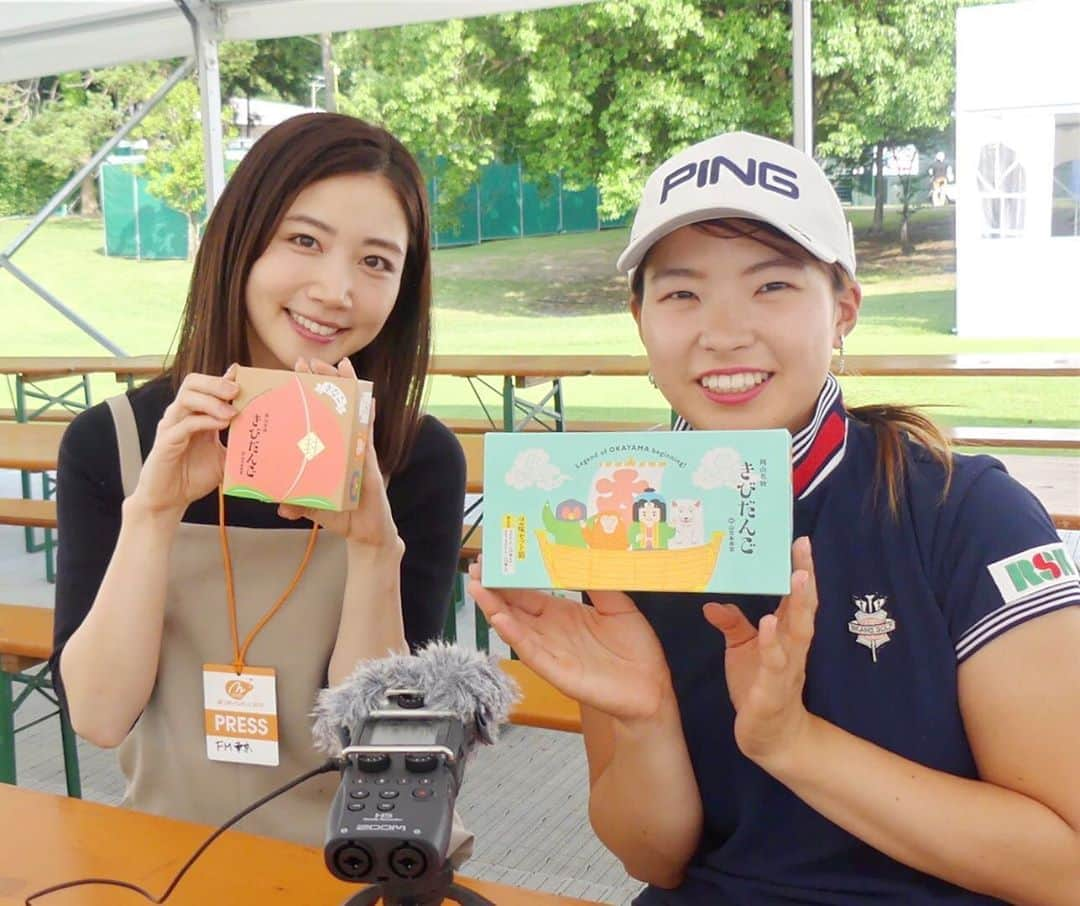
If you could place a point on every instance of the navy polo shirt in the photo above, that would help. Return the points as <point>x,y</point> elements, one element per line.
<point>903,601</point>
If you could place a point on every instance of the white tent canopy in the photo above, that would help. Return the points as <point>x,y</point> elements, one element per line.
<point>47,37</point>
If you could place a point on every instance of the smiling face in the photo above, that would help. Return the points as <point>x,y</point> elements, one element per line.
<point>648,513</point>
<point>738,334</point>
<point>329,277</point>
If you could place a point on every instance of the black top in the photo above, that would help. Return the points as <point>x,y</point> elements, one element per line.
<point>426,499</point>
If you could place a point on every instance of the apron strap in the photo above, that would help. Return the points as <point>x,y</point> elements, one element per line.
<point>127,441</point>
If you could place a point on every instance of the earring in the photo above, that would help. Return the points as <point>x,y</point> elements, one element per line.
<point>652,380</point>
<point>840,364</point>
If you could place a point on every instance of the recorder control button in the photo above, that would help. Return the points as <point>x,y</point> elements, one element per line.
<point>359,794</point>
<point>388,794</point>
<point>420,764</point>
<point>386,806</point>
<point>423,792</point>
<point>356,806</point>
<point>374,762</point>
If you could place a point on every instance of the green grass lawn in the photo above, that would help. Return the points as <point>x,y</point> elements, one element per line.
<point>556,294</point>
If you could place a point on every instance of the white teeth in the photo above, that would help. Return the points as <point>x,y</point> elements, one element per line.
<point>321,329</point>
<point>733,383</point>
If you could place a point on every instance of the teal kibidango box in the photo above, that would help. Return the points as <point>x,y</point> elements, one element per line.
<point>701,511</point>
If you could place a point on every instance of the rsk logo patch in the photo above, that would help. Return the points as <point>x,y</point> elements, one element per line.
<point>1035,569</point>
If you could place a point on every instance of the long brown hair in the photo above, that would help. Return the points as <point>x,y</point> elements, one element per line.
<point>892,425</point>
<point>300,151</point>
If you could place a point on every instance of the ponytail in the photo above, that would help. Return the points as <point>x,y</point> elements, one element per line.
<point>892,426</point>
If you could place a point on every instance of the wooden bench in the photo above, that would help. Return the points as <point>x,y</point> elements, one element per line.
<point>31,513</point>
<point>1023,437</point>
<point>541,705</point>
<point>469,426</point>
<point>49,415</point>
<point>32,448</point>
<point>25,645</point>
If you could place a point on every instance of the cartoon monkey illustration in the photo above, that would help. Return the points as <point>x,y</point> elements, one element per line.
<point>606,531</point>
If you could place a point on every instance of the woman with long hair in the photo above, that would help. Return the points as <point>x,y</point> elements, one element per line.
<point>315,258</point>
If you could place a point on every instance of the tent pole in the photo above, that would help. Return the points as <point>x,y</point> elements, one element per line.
<point>5,256</point>
<point>84,326</point>
<point>802,76</point>
<point>205,24</point>
<point>58,199</point>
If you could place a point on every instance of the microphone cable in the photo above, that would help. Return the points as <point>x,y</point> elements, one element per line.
<point>334,764</point>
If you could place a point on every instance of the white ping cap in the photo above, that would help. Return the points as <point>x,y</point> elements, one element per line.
<point>739,174</point>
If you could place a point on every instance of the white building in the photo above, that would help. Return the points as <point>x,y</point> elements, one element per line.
<point>253,116</point>
<point>1018,170</point>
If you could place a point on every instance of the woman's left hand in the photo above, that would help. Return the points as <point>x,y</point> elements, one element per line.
<point>371,524</point>
<point>766,667</point>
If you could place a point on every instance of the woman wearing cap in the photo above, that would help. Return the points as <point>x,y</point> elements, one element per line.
<point>931,760</point>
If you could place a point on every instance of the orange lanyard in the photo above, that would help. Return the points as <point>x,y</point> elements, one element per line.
<point>240,651</point>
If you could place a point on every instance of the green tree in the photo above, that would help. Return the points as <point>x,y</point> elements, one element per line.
<point>51,127</point>
<point>598,93</point>
<point>885,75</point>
<point>278,69</point>
<point>430,85</point>
<point>611,89</point>
<point>175,161</point>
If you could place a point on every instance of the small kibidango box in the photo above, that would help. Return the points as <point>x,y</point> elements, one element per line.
<point>693,511</point>
<point>298,438</point>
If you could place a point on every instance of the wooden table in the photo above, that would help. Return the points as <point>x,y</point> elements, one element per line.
<point>40,368</point>
<point>30,371</point>
<point>521,371</point>
<point>49,839</point>
<point>516,372</point>
<point>972,365</point>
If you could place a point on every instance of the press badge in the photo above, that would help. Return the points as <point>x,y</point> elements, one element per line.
<point>241,714</point>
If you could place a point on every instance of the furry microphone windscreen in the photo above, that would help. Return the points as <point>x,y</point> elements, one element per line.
<point>465,682</point>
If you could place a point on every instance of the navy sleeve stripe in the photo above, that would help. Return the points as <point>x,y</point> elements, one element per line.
<point>1010,615</point>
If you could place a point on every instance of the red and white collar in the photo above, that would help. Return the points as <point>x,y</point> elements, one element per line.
<point>817,449</point>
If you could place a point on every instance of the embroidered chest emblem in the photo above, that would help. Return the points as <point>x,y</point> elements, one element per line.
<point>872,623</point>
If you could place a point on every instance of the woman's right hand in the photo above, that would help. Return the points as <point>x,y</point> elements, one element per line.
<point>187,460</point>
<point>605,656</point>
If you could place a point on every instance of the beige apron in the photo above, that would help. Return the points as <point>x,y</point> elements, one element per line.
<point>164,756</point>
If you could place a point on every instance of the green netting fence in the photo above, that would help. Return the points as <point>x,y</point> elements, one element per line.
<point>501,204</point>
<point>138,225</point>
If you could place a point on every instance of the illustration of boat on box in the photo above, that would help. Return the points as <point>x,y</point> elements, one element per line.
<point>575,567</point>
<point>650,511</point>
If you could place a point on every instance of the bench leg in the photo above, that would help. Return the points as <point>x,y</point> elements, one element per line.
<point>7,730</point>
<point>28,533</point>
<point>71,756</point>
<point>456,598</point>
<point>508,403</point>
<point>50,557</point>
